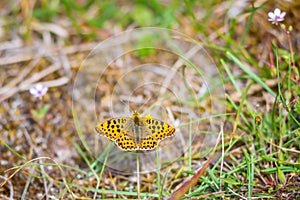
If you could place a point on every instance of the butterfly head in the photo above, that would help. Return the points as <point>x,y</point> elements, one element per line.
<point>136,117</point>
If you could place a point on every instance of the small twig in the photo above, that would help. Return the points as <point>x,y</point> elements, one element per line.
<point>20,77</point>
<point>29,140</point>
<point>254,89</point>
<point>22,57</point>
<point>13,44</point>
<point>37,76</point>
<point>236,193</point>
<point>35,159</point>
<point>27,184</point>
<point>65,63</point>
<point>26,84</point>
<point>11,188</point>
<point>183,189</point>
<point>112,181</point>
<point>206,196</point>
<point>176,66</point>
<point>4,61</point>
<point>138,175</point>
<point>8,94</point>
<point>44,179</point>
<point>53,83</point>
<point>222,159</point>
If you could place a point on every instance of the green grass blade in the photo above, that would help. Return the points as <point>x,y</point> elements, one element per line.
<point>251,74</point>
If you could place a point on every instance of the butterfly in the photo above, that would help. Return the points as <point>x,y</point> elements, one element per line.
<point>135,133</point>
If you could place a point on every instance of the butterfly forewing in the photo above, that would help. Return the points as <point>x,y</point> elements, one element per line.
<point>113,127</point>
<point>159,129</point>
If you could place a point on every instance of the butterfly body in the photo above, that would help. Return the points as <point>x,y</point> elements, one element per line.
<point>135,133</point>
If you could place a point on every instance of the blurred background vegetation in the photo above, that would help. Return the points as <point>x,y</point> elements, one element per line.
<point>46,41</point>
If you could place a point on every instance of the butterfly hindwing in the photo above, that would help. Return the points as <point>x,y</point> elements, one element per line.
<point>126,143</point>
<point>148,144</point>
